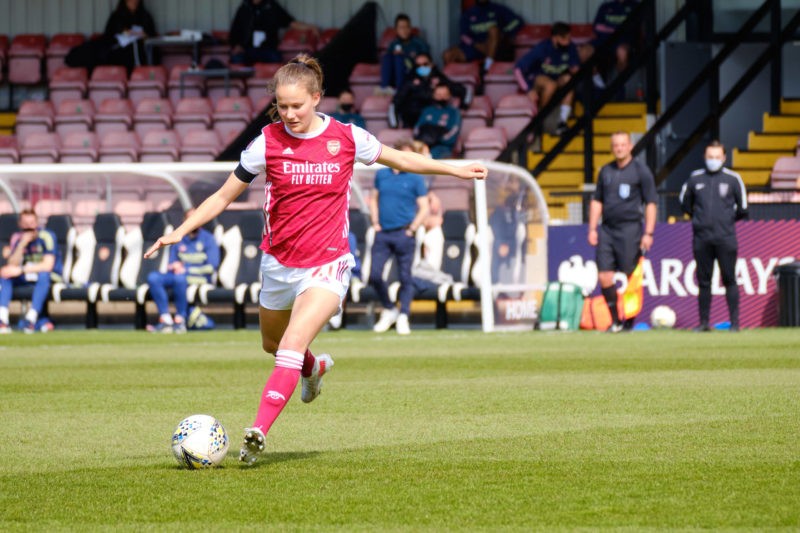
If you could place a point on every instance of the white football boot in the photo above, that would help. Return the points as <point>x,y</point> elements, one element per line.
<point>252,447</point>
<point>387,320</point>
<point>402,326</point>
<point>312,385</point>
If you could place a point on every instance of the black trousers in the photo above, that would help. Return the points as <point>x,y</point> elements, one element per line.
<point>724,252</point>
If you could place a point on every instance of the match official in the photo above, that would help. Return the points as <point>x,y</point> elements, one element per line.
<point>715,198</point>
<point>625,193</point>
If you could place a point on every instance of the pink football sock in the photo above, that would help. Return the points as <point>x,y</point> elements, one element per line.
<point>308,364</point>
<point>279,388</point>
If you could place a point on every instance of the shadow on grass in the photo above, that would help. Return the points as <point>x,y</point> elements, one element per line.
<point>231,462</point>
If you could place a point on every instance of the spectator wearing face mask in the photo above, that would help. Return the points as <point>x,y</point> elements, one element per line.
<point>439,124</point>
<point>548,66</point>
<point>417,91</point>
<point>346,110</point>
<point>398,61</point>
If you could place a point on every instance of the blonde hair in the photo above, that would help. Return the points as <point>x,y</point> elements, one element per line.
<point>302,70</point>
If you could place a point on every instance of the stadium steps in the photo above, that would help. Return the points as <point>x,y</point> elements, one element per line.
<point>7,122</point>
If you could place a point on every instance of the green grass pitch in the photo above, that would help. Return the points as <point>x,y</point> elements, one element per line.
<point>440,431</point>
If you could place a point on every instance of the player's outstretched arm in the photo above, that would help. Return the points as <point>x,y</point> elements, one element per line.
<point>413,162</point>
<point>210,208</point>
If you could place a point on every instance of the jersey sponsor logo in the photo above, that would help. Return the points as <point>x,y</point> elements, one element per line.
<point>723,189</point>
<point>306,173</point>
<point>288,151</point>
<point>334,147</point>
<point>624,190</point>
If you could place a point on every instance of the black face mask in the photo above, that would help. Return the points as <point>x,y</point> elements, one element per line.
<point>346,107</point>
<point>440,103</point>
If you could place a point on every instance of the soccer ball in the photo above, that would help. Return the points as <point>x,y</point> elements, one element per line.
<point>663,317</point>
<point>199,441</point>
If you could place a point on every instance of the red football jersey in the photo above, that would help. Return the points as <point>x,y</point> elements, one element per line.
<point>308,188</point>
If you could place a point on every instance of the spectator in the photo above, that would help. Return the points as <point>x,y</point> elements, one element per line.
<point>194,260</point>
<point>346,110</point>
<point>34,259</point>
<point>398,60</point>
<point>487,33</point>
<point>439,124</point>
<point>398,207</point>
<point>548,66</point>
<point>255,31</point>
<point>609,18</point>
<point>121,42</point>
<point>417,91</point>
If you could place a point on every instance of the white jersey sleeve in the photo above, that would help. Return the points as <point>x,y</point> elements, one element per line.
<point>368,147</point>
<point>253,159</point>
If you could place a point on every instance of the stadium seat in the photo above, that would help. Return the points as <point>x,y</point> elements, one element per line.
<point>296,41</point>
<point>217,88</point>
<point>34,117</point>
<point>786,173</point>
<point>152,114</point>
<point>328,104</point>
<point>147,82</point>
<point>113,115</point>
<point>9,151</point>
<point>218,50</point>
<point>99,256</point>
<point>500,81</point>
<point>171,56</point>
<point>581,33</point>
<point>485,143</point>
<point>52,206</point>
<point>68,82</point>
<point>160,146</point>
<point>107,81</point>
<point>513,112</point>
<point>86,209</point>
<point>257,83</point>
<point>192,114</point>
<point>130,211</point>
<point>74,115</point>
<point>119,147</point>
<point>240,269</point>
<point>193,86</point>
<point>40,148</point>
<point>529,36</point>
<point>375,110</point>
<point>25,57</point>
<point>262,106</point>
<point>200,145</point>
<point>363,80</point>
<point>478,115</point>
<point>79,147</point>
<point>468,74</point>
<point>389,136</point>
<point>231,114</point>
<point>58,48</point>
<point>326,36</point>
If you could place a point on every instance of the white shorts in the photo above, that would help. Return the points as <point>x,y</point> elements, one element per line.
<point>280,285</point>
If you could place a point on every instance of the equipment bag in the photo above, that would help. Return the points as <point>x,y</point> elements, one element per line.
<point>561,306</point>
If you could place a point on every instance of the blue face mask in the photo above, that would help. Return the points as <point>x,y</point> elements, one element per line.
<point>713,165</point>
<point>424,71</point>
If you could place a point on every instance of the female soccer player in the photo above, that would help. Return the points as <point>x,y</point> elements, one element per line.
<point>308,160</point>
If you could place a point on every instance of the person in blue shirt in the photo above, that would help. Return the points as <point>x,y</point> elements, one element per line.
<point>416,92</point>
<point>439,124</point>
<point>35,260</point>
<point>487,33</point>
<point>398,207</point>
<point>194,260</point>
<point>548,66</point>
<point>346,110</point>
<point>398,60</point>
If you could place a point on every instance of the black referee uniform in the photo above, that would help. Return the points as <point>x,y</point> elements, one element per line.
<point>624,192</point>
<point>715,201</point>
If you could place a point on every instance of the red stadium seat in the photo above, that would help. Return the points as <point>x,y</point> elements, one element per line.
<point>513,112</point>
<point>192,114</point>
<point>152,114</point>
<point>160,146</point>
<point>500,81</point>
<point>68,82</point>
<point>375,110</point>
<point>201,145</point>
<point>34,117</point>
<point>296,41</point>
<point>786,173</point>
<point>147,82</point>
<point>581,33</point>
<point>119,147</point>
<point>217,88</point>
<point>113,115</point>
<point>107,81</point>
<point>257,83</point>
<point>25,57</point>
<point>231,114</point>
<point>57,50</point>
<point>74,115</point>
<point>326,36</point>
<point>485,143</point>
<point>468,74</point>
<point>478,115</point>
<point>390,136</point>
<point>9,151</point>
<point>219,50</point>
<point>529,36</point>
<point>193,86</point>
<point>79,147</point>
<point>363,80</point>
<point>328,104</point>
<point>40,148</point>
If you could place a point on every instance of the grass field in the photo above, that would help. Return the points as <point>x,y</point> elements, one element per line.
<point>440,431</point>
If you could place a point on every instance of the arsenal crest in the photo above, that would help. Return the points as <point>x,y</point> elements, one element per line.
<point>333,147</point>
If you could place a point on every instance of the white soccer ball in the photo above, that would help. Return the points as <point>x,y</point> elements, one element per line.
<point>663,317</point>
<point>199,441</point>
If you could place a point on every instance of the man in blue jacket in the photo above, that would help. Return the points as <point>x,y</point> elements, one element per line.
<point>487,33</point>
